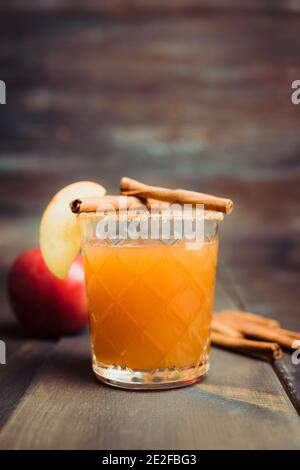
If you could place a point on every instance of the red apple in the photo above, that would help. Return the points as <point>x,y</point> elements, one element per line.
<point>44,303</point>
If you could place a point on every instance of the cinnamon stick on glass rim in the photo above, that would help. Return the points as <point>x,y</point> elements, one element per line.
<point>247,346</point>
<point>131,187</point>
<point>94,204</point>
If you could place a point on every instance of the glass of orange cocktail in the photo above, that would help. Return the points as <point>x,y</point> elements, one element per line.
<point>150,303</point>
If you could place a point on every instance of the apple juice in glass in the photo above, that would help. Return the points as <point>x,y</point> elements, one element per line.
<point>150,304</point>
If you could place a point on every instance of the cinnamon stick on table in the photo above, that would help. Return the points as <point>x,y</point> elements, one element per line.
<point>247,346</point>
<point>256,326</point>
<point>247,317</point>
<point>221,327</point>
<point>131,187</point>
<point>290,333</point>
<point>252,330</point>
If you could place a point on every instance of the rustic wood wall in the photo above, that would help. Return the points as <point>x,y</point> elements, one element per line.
<point>189,93</point>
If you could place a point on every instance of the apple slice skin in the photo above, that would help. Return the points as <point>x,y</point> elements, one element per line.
<point>60,233</point>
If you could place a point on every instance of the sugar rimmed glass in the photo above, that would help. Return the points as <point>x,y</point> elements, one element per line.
<point>150,303</point>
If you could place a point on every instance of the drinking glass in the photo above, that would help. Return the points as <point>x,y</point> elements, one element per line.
<point>150,303</point>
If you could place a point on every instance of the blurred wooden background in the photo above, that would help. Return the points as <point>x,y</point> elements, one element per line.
<point>182,93</point>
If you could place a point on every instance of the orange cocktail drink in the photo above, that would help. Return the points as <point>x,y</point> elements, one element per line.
<point>150,306</point>
<point>150,257</point>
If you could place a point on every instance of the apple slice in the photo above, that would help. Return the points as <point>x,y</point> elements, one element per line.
<point>60,234</point>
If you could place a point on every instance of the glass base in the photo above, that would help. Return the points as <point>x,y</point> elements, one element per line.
<point>149,380</point>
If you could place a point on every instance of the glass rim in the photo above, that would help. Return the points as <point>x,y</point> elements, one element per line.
<point>207,215</point>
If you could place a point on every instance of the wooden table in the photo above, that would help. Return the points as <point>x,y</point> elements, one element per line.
<point>195,96</point>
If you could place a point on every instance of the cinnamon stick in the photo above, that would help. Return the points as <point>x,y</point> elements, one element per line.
<point>292,334</point>
<point>248,317</point>
<point>221,327</point>
<point>93,204</point>
<point>131,187</point>
<point>160,204</point>
<point>265,349</point>
<point>252,330</point>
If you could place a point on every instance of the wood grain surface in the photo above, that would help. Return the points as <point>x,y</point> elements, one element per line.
<point>191,94</point>
<point>277,295</point>
<point>241,404</point>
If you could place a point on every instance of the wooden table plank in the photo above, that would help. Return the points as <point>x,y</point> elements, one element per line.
<point>24,354</point>
<point>273,293</point>
<point>24,359</point>
<point>241,404</point>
